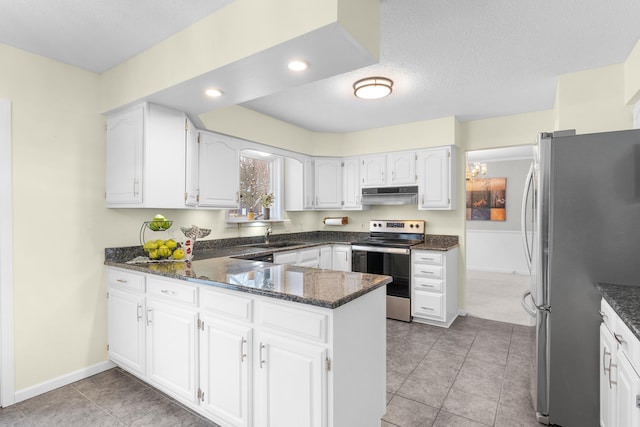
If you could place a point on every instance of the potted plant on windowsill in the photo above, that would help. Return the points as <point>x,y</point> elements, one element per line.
<point>267,200</point>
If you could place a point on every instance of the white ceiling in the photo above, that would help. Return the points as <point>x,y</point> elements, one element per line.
<point>469,59</point>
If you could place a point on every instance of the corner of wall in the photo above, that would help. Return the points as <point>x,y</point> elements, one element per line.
<point>632,76</point>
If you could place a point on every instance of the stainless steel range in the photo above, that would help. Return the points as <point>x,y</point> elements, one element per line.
<point>387,251</point>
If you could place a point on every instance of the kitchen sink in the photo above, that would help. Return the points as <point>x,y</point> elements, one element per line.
<point>275,244</point>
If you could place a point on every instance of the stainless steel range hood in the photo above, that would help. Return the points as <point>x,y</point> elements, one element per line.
<point>407,195</point>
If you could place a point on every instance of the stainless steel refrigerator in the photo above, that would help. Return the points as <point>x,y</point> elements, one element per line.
<point>583,228</point>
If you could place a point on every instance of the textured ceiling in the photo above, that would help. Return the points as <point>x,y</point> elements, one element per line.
<point>469,59</point>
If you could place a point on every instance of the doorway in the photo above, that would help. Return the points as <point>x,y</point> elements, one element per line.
<point>7,393</point>
<point>497,271</point>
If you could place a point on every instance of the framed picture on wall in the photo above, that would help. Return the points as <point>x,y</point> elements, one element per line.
<point>486,199</point>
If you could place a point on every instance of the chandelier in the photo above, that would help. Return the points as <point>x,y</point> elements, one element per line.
<point>476,172</point>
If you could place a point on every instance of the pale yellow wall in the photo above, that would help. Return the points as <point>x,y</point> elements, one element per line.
<point>58,213</point>
<point>593,101</point>
<point>632,76</point>
<point>505,131</point>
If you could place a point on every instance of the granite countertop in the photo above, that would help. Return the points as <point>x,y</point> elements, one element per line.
<point>625,300</point>
<point>322,288</point>
<point>219,263</point>
<point>435,242</point>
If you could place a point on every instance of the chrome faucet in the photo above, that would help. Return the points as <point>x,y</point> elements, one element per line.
<point>267,233</point>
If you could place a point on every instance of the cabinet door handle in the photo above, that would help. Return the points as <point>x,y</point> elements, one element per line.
<point>612,365</point>
<point>604,316</point>
<point>605,353</point>
<point>262,361</point>
<point>618,338</point>
<point>168,292</point>
<point>149,312</point>
<point>139,312</point>
<point>243,354</point>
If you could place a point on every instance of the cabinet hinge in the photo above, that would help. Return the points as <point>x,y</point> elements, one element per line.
<point>342,164</point>
<point>186,124</point>
<point>198,198</point>
<point>107,295</point>
<point>328,363</point>
<point>200,395</point>
<point>199,138</point>
<point>342,203</point>
<point>416,156</point>
<point>448,153</point>
<point>107,347</point>
<point>449,201</point>
<point>201,324</point>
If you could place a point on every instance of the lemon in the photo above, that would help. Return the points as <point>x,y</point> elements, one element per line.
<point>178,254</point>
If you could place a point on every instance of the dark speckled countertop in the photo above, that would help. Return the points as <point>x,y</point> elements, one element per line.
<point>219,263</point>
<point>625,300</point>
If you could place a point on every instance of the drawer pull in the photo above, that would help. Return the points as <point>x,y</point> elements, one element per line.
<point>618,338</point>
<point>122,281</point>
<point>427,308</point>
<point>168,292</point>
<point>427,272</point>
<point>427,286</point>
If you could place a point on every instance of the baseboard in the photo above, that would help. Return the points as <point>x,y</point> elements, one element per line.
<point>61,381</point>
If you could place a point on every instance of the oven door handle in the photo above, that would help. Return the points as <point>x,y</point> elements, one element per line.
<point>384,250</point>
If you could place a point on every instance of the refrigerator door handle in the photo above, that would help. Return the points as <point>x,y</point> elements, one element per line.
<point>528,183</point>
<point>531,310</point>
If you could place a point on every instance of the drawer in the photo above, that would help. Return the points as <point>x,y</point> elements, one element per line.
<point>305,324</point>
<point>608,315</point>
<point>428,304</point>
<point>428,257</point>
<point>424,284</point>
<point>221,303</point>
<point>426,270</point>
<point>629,344</point>
<point>172,291</point>
<point>126,280</point>
<point>308,255</point>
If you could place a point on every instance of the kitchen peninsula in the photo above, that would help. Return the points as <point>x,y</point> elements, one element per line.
<point>252,343</point>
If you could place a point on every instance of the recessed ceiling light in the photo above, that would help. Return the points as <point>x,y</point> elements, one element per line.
<point>373,87</point>
<point>214,93</point>
<point>298,65</point>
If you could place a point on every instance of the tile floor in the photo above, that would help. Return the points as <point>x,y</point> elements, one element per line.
<point>475,373</point>
<point>112,398</point>
<point>497,296</point>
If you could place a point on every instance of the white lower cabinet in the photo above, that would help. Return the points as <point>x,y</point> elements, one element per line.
<point>225,369</point>
<point>619,372</point>
<point>248,360</point>
<point>127,329</point>
<point>341,259</point>
<point>291,383</point>
<point>434,286</point>
<point>171,348</point>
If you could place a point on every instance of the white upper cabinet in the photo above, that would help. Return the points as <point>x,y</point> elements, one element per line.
<point>436,178</point>
<point>352,190</point>
<point>373,170</point>
<point>401,168</point>
<point>191,165</point>
<point>397,168</point>
<point>146,158</point>
<point>298,184</point>
<point>219,171</point>
<point>328,183</point>
<point>125,144</point>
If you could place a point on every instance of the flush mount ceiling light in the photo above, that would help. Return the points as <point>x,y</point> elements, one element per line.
<point>372,87</point>
<point>214,93</point>
<point>298,65</point>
